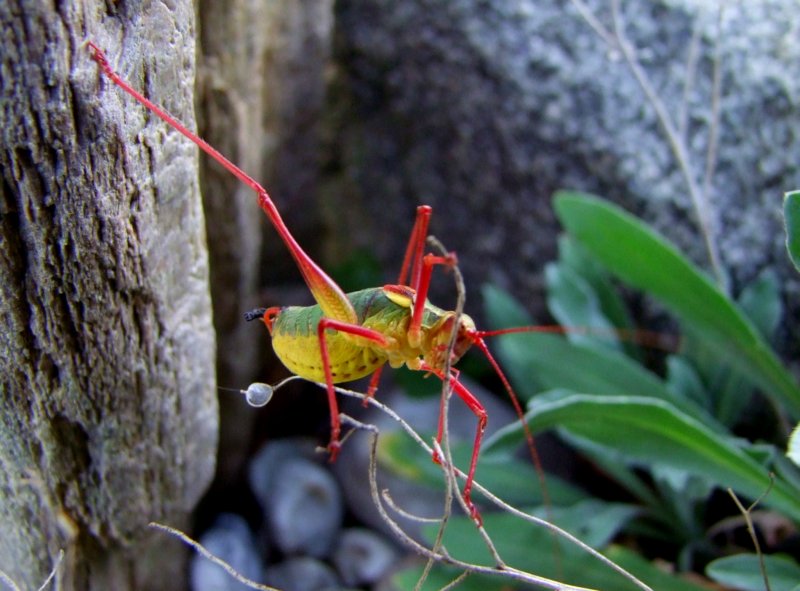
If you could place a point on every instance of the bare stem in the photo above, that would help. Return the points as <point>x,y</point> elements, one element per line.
<point>218,561</point>
<point>440,554</point>
<point>699,195</point>
<point>746,513</point>
<point>713,128</point>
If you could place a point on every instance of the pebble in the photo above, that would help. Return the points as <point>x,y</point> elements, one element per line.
<point>301,500</point>
<point>231,540</point>
<point>302,574</point>
<point>363,556</point>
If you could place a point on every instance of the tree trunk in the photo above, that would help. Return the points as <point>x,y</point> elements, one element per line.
<point>261,93</point>
<point>108,407</point>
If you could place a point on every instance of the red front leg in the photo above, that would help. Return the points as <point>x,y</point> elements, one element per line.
<point>354,329</point>
<point>420,266</point>
<point>412,261</point>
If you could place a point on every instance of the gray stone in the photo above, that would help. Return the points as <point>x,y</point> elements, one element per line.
<point>302,574</point>
<point>362,556</point>
<point>483,110</point>
<point>231,540</point>
<point>300,498</point>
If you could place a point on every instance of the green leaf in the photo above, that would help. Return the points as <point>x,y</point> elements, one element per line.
<point>647,572</point>
<point>440,576</point>
<point>743,572</point>
<point>651,431</point>
<point>502,310</point>
<point>791,218</point>
<point>574,304</point>
<point>531,549</point>
<point>644,260</point>
<point>683,380</point>
<point>575,258</point>
<point>514,480</point>
<point>536,362</point>
<point>761,301</point>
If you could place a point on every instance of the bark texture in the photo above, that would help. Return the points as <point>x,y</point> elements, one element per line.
<point>108,413</point>
<point>261,90</point>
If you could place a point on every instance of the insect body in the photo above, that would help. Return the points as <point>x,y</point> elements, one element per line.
<point>348,336</point>
<point>386,310</point>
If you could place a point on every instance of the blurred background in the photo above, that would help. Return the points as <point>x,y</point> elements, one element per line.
<point>351,113</point>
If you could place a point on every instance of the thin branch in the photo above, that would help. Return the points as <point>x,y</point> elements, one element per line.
<point>387,497</point>
<point>445,454</point>
<point>455,582</point>
<point>751,528</point>
<point>588,16</point>
<point>9,581</point>
<point>54,571</point>
<point>692,57</point>
<point>197,546</point>
<point>713,126</point>
<point>5,578</point>
<point>679,150</point>
<point>442,554</point>
<point>697,194</point>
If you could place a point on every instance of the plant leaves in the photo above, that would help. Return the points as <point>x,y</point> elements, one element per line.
<point>641,258</point>
<point>743,572</point>
<point>535,362</point>
<point>791,218</point>
<point>651,574</point>
<point>761,301</point>
<point>514,480</point>
<point>653,431</point>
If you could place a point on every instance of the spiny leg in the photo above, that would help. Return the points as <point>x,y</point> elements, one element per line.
<point>420,266</point>
<point>412,261</point>
<point>428,262</point>
<point>354,329</point>
<point>480,412</point>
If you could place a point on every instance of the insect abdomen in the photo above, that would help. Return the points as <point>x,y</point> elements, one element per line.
<point>296,343</point>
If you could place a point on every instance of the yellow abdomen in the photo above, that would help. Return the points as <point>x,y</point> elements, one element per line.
<point>300,353</point>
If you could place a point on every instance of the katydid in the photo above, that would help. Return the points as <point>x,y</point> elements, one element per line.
<point>347,336</point>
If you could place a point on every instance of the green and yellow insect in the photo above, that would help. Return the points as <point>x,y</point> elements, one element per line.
<point>348,336</point>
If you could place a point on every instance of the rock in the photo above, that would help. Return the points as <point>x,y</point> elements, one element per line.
<point>301,499</point>
<point>302,574</point>
<point>229,539</point>
<point>363,557</point>
<point>483,110</point>
<point>265,464</point>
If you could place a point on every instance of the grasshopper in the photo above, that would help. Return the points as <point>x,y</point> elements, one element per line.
<point>347,336</point>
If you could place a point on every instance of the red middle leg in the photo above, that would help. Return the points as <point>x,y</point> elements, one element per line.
<point>480,412</point>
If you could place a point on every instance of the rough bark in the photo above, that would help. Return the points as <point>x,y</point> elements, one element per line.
<point>261,88</point>
<point>108,413</point>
